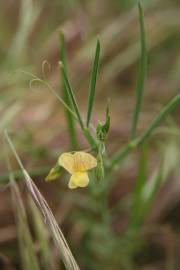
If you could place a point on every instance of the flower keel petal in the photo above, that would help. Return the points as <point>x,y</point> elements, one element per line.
<point>71,184</point>
<point>80,179</point>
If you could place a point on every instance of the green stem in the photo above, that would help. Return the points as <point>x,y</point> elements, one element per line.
<point>172,104</point>
<point>119,156</point>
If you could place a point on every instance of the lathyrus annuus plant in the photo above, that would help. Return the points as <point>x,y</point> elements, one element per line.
<point>78,163</point>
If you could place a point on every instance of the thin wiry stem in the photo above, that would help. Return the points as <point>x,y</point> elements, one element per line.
<point>44,82</point>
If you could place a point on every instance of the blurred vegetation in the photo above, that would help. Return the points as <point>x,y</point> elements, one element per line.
<point>130,219</point>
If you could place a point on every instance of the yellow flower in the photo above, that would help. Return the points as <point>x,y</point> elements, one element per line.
<point>77,164</point>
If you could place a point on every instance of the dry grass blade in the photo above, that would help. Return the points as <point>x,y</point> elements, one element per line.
<point>28,254</point>
<point>56,232</point>
<point>29,258</point>
<point>50,220</point>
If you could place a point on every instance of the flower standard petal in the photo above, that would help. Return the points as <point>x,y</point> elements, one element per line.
<point>83,161</point>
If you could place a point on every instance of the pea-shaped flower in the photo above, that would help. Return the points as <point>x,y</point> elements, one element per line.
<point>77,164</point>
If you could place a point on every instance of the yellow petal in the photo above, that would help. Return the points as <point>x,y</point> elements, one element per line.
<point>83,161</point>
<point>71,184</point>
<point>66,161</point>
<point>79,179</point>
<point>78,161</point>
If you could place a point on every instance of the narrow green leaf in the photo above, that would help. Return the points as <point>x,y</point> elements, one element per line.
<point>69,117</point>
<point>142,73</point>
<point>92,86</point>
<point>71,94</point>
